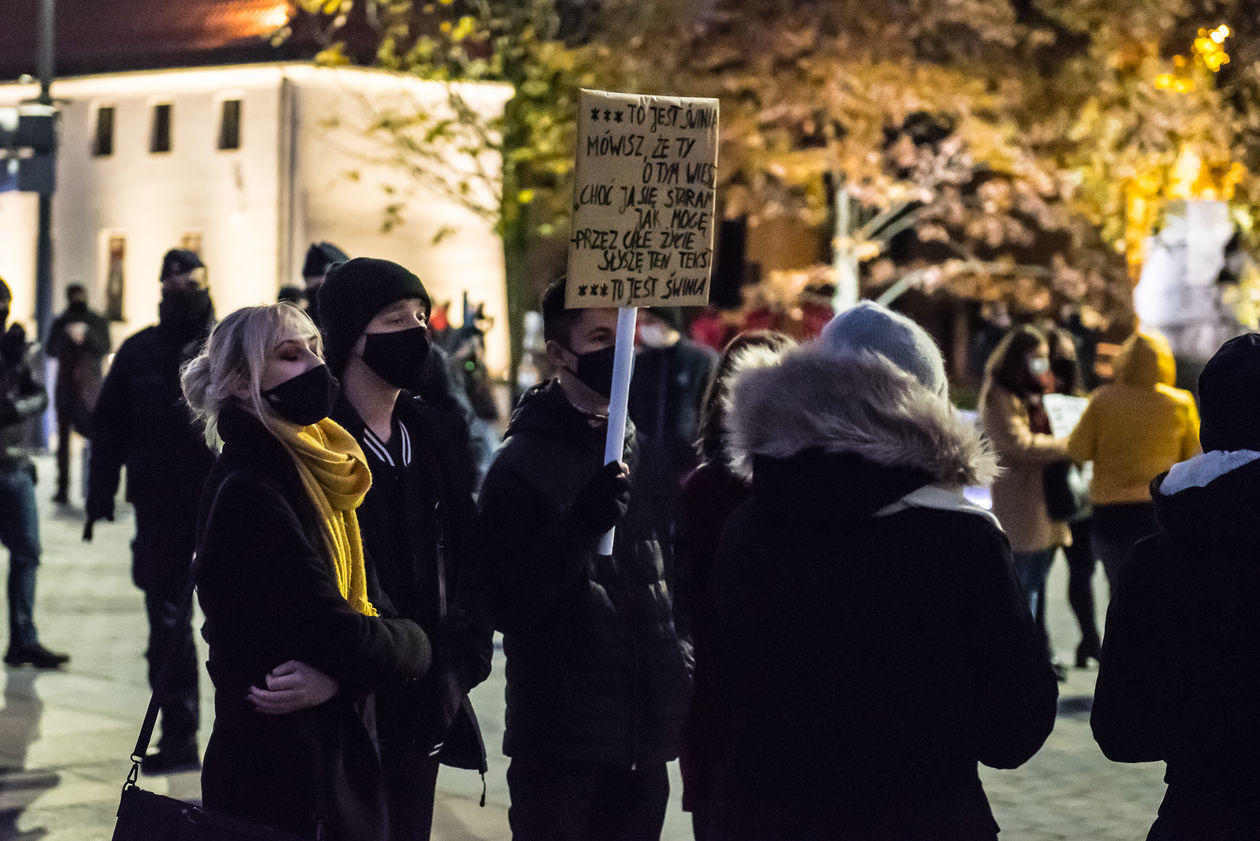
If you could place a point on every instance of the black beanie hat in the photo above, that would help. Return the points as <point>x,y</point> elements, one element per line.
<point>353,293</point>
<point>320,256</point>
<point>6,294</point>
<point>1229,396</point>
<point>178,261</point>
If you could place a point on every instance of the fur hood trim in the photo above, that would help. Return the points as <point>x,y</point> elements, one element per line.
<point>749,358</point>
<point>857,403</point>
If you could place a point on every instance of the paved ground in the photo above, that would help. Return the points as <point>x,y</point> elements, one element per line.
<point>65,736</point>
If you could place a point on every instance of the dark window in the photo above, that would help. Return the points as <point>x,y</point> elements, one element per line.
<point>230,125</point>
<point>160,136</point>
<point>114,281</point>
<point>103,142</point>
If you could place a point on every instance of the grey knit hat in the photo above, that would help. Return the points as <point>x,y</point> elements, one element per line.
<point>871,327</point>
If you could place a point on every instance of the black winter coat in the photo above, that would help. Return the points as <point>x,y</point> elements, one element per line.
<point>409,518</point>
<point>79,375</point>
<point>1180,674</point>
<point>876,641</point>
<point>270,596</point>
<point>22,399</point>
<point>665,396</point>
<point>141,421</point>
<point>596,671</point>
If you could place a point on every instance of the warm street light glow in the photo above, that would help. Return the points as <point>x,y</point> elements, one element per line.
<point>278,16</point>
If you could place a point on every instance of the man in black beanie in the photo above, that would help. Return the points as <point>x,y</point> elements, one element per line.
<point>319,258</point>
<point>416,524</point>
<point>1179,678</point>
<point>22,399</point>
<point>597,675</point>
<point>141,421</point>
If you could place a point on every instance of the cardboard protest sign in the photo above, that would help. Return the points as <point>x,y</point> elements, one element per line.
<point>644,201</point>
<point>1064,412</point>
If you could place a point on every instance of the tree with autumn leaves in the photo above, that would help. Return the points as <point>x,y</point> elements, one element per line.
<point>982,149</point>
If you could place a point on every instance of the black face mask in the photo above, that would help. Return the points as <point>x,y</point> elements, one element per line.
<point>398,358</point>
<point>185,311</point>
<point>595,369</point>
<point>307,398</point>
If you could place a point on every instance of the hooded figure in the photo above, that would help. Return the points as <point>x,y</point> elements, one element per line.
<point>1133,429</point>
<point>858,555</point>
<point>1180,674</point>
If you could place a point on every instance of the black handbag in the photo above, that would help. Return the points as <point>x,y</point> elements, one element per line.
<point>1066,488</point>
<point>145,816</point>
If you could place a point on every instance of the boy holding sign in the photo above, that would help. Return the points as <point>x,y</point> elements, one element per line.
<point>597,676</point>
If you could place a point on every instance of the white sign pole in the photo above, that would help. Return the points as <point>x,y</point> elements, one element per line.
<point>623,365</point>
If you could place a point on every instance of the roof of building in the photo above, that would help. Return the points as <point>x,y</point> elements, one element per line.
<point>96,37</point>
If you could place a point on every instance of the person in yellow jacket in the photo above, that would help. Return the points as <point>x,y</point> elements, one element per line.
<point>1133,429</point>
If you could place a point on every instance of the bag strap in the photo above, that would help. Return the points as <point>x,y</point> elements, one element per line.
<point>168,658</point>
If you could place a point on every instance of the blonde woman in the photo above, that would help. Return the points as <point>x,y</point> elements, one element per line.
<point>295,642</point>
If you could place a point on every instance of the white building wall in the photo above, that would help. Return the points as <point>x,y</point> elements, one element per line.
<point>255,209</point>
<point>228,198</point>
<point>349,211</point>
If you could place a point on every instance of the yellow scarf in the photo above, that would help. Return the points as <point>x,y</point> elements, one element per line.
<point>336,477</point>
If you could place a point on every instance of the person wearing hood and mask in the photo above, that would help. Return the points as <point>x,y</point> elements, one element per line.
<point>320,257</point>
<point>79,340</point>
<point>1133,429</point>
<point>416,523</point>
<point>1179,680</point>
<point>597,676</point>
<point>141,421</point>
<point>857,555</point>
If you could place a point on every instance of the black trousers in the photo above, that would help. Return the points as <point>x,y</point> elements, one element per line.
<point>1116,529</point>
<point>562,800</point>
<point>410,782</point>
<point>71,417</point>
<point>161,554</point>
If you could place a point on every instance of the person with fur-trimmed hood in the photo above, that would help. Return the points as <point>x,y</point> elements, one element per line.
<point>1179,679</point>
<point>879,642</point>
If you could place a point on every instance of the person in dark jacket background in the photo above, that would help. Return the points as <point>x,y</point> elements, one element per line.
<point>709,495</point>
<point>320,257</point>
<point>416,523</point>
<point>141,421</point>
<point>597,676</point>
<point>22,399</point>
<point>296,642</point>
<point>79,340</point>
<point>1179,680</point>
<point>671,373</point>
<point>857,555</point>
